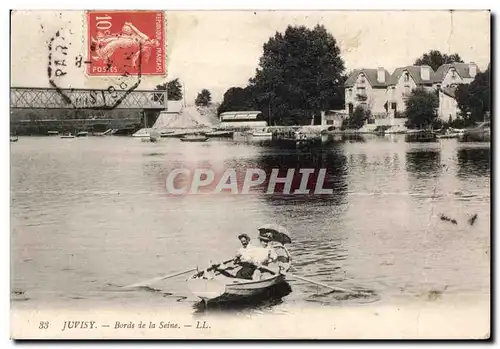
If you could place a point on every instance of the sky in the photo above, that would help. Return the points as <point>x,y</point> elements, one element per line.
<point>221,49</point>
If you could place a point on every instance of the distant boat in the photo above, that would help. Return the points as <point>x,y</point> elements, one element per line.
<point>14,139</point>
<point>264,133</point>
<point>449,134</point>
<point>420,136</point>
<point>220,134</point>
<point>194,138</point>
<point>82,134</point>
<point>53,133</point>
<point>67,135</point>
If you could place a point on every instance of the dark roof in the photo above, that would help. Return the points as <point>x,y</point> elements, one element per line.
<point>414,72</point>
<point>461,68</point>
<point>371,76</point>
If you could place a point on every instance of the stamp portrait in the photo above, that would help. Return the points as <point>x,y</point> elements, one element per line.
<point>117,39</point>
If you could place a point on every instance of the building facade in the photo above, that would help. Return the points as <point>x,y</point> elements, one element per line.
<point>366,87</point>
<point>385,94</point>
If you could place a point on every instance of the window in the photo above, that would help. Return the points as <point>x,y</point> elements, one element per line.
<point>393,105</point>
<point>406,76</point>
<point>361,91</point>
<point>453,74</point>
<point>362,79</point>
<point>349,92</point>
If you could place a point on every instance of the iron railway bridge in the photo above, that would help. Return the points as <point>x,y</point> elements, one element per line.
<point>86,99</point>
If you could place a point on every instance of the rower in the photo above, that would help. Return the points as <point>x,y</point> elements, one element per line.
<point>244,258</point>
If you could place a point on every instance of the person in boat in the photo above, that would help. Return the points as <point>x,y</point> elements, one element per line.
<point>263,255</point>
<point>244,258</point>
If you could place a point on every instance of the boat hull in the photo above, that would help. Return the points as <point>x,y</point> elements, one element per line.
<point>232,289</point>
<point>194,140</point>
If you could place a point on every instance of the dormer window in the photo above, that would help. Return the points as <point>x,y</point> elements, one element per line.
<point>406,76</point>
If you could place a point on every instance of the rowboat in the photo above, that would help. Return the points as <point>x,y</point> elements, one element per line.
<point>219,134</point>
<point>218,283</point>
<point>194,138</point>
<point>264,133</point>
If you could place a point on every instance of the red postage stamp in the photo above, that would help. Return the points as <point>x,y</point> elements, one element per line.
<point>126,42</point>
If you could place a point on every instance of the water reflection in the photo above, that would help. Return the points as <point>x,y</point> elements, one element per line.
<point>332,160</point>
<point>474,162</point>
<point>425,162</point>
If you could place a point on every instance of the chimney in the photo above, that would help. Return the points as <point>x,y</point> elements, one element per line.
<point>472,69</point>
<point>425,72</point>
<point>381,75</point>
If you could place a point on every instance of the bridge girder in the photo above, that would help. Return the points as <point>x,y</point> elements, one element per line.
<point>51,98</point>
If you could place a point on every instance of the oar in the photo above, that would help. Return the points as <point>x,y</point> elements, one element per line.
<point>327,286</point>
<point>313,281</point>
<point>160,278</point>
<point>157,279</point>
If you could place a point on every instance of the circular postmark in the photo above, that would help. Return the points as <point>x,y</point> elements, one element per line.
<point>61,64</point>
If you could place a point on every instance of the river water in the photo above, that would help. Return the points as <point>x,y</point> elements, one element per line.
<point>91,215</point>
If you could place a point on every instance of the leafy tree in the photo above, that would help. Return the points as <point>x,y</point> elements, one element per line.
<point>237,99</point>
<point>204,98</point>
<point>435,59</point>
<point>300,73</point>
<point>357,119</point>
<point>474,99</point>
<point>173,88</point>
<point>421,108</point>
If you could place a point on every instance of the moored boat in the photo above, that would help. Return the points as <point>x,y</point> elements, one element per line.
<point>67,135</point>
<point>264,133</point>
<point>194,138</point>
<point>420,136</point>
<point>219,134</point>
<point>82,134</point>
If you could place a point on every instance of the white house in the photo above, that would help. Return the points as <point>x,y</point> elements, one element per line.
<point>366,87</point>
<point>385,95</point>
<point>403,80</point>
<point>454,74</point>
<point>448,107</point>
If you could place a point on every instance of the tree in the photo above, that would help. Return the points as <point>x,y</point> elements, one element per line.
<point>300,74</point>
<point>237,99</point>
<point>357,119</point>
<point>174,90</point>
<point>435,59</point>
<point>474,99</point>
<point>203,98</point>
<point>421,108</point>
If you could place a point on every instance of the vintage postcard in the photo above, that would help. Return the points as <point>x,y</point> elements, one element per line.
<point>250,174</point>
